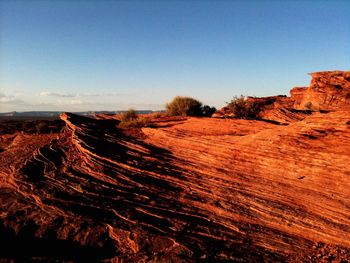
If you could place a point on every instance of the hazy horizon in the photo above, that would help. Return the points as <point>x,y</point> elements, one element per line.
<point>115,55</point>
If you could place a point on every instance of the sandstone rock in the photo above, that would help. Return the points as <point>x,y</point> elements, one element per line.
<point>223,112</point>
<point>329,90</point>
<point>297,94</point>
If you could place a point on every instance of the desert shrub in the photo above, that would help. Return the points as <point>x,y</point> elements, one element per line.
<point>187,106</point>
<point>128,115</point>
<point>158,114</point>
<point>137,122</point>
<point>129,119</point>
<point>184,106</point>
<point>207,111</point>
<point>245,109</point>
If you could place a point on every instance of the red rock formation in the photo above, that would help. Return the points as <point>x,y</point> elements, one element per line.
<point>273,102</point>
<point>223,112</point>
<point>187,190</point>
<point>329,90</point>
<point>297,95</point>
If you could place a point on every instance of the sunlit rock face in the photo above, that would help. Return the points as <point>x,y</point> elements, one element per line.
<point>329,90</point>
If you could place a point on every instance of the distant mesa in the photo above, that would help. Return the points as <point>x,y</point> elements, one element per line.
<point>57,113</point>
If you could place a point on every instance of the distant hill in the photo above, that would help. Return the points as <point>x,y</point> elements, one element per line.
<point>57,113</point>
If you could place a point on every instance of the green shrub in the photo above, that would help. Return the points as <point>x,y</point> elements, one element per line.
<point>207,111</point>
<point>184,106</point>
<point>245,109</point>
<point>187,106</point>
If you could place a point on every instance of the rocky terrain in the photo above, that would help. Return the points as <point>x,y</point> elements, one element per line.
<point>183,189</point>
<point>328,91</point>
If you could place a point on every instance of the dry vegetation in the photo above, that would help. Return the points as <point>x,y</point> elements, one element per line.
<point>186,106</point>
<point>245,109</point>
<point>130,119</point>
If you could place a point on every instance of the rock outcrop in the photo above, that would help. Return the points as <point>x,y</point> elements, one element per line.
<point>329,90</point>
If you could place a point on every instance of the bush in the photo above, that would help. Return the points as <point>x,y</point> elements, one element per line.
<point>139,122</point>
<point>245,109</point>
<point>158,114</point>
<point>207,111</point>
<point>187,106</point>
<point>128,115</point>
<point>184,106</point>
<point>129,119</point>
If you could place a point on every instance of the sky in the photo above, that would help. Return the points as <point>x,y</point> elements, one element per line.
<point>113,55</point>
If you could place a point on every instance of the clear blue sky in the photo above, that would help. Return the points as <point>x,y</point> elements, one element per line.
<point>110,55</point>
